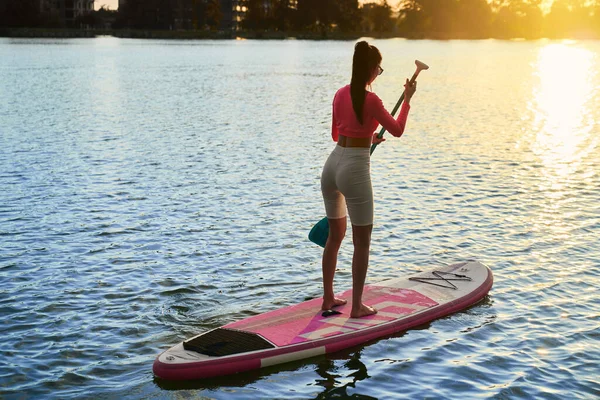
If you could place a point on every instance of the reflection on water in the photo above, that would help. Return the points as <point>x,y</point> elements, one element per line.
<point>563,108</point>
<point>337,380</point>
<point>566,132</point>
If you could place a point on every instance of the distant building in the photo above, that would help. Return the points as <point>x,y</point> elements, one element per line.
<point>234,12</point>
<point>198,14</point>
<point>67,11</point>
<point>224,15</point>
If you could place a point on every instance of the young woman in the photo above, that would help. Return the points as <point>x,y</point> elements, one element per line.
<point>346,177</point>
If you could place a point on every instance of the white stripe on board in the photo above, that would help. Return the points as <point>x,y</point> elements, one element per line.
<point>320,333</point>
<point>346,322</point>
<point>297,355</point>
<point>388,303</point>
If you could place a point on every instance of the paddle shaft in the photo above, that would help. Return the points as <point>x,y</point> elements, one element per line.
<point>396,107</point>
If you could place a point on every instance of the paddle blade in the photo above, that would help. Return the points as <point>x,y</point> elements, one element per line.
<point>319,233</point>
<point>421,65</point>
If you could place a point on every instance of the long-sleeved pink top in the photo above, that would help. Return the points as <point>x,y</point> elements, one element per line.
<point>374,113</point>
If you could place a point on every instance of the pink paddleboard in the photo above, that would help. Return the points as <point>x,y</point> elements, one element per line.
<point>304,330</point>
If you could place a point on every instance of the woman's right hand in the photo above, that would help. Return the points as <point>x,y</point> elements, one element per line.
<point>409,90</point>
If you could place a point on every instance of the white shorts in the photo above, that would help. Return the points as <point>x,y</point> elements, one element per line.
<point>346,182</point>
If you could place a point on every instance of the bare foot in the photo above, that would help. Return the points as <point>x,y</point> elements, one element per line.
<point>328,305</point>
<point>363,311</point>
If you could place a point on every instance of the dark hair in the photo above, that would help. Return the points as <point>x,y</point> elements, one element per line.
<point>366,58</point>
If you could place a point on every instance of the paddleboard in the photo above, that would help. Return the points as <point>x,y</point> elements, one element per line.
<point>304,330</point>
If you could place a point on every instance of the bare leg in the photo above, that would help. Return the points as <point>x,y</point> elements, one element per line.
<point>337,231</point>
<point>361,236</point>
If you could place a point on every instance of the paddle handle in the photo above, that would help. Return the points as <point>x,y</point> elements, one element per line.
<point>397,106</point>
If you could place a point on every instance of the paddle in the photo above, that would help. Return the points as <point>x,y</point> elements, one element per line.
<point>319,233</point>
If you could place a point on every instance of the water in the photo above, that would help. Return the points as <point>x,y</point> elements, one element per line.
<point>152,190</point>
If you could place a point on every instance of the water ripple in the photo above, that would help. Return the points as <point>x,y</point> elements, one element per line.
<point>171,188</point>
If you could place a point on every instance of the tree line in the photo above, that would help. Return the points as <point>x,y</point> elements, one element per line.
<point>445,19</point>
<point>433,18</point>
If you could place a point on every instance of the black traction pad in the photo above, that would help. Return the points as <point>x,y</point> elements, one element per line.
<point>225,342</point>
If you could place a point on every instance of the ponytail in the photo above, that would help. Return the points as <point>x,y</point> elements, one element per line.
<point>365,59</point>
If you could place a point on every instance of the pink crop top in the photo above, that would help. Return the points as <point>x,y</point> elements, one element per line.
<point>374,114</point>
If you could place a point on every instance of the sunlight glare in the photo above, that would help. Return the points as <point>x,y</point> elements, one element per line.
<point>562,105</point>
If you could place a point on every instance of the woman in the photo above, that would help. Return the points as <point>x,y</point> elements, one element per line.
<point>346,177</point>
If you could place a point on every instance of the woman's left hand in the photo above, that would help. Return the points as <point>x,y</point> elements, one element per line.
<point>377,140</point>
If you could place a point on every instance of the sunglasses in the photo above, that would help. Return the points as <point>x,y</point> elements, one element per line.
<point>380,70</point>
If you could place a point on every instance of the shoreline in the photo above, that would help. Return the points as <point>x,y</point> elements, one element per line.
<point>225,35</point>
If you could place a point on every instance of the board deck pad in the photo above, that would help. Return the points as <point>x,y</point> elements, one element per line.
<point>304,330</point>
<point>225,342</point>
<point>304,321</point>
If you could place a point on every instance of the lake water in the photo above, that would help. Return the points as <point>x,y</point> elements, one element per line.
<point>153,190</point>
